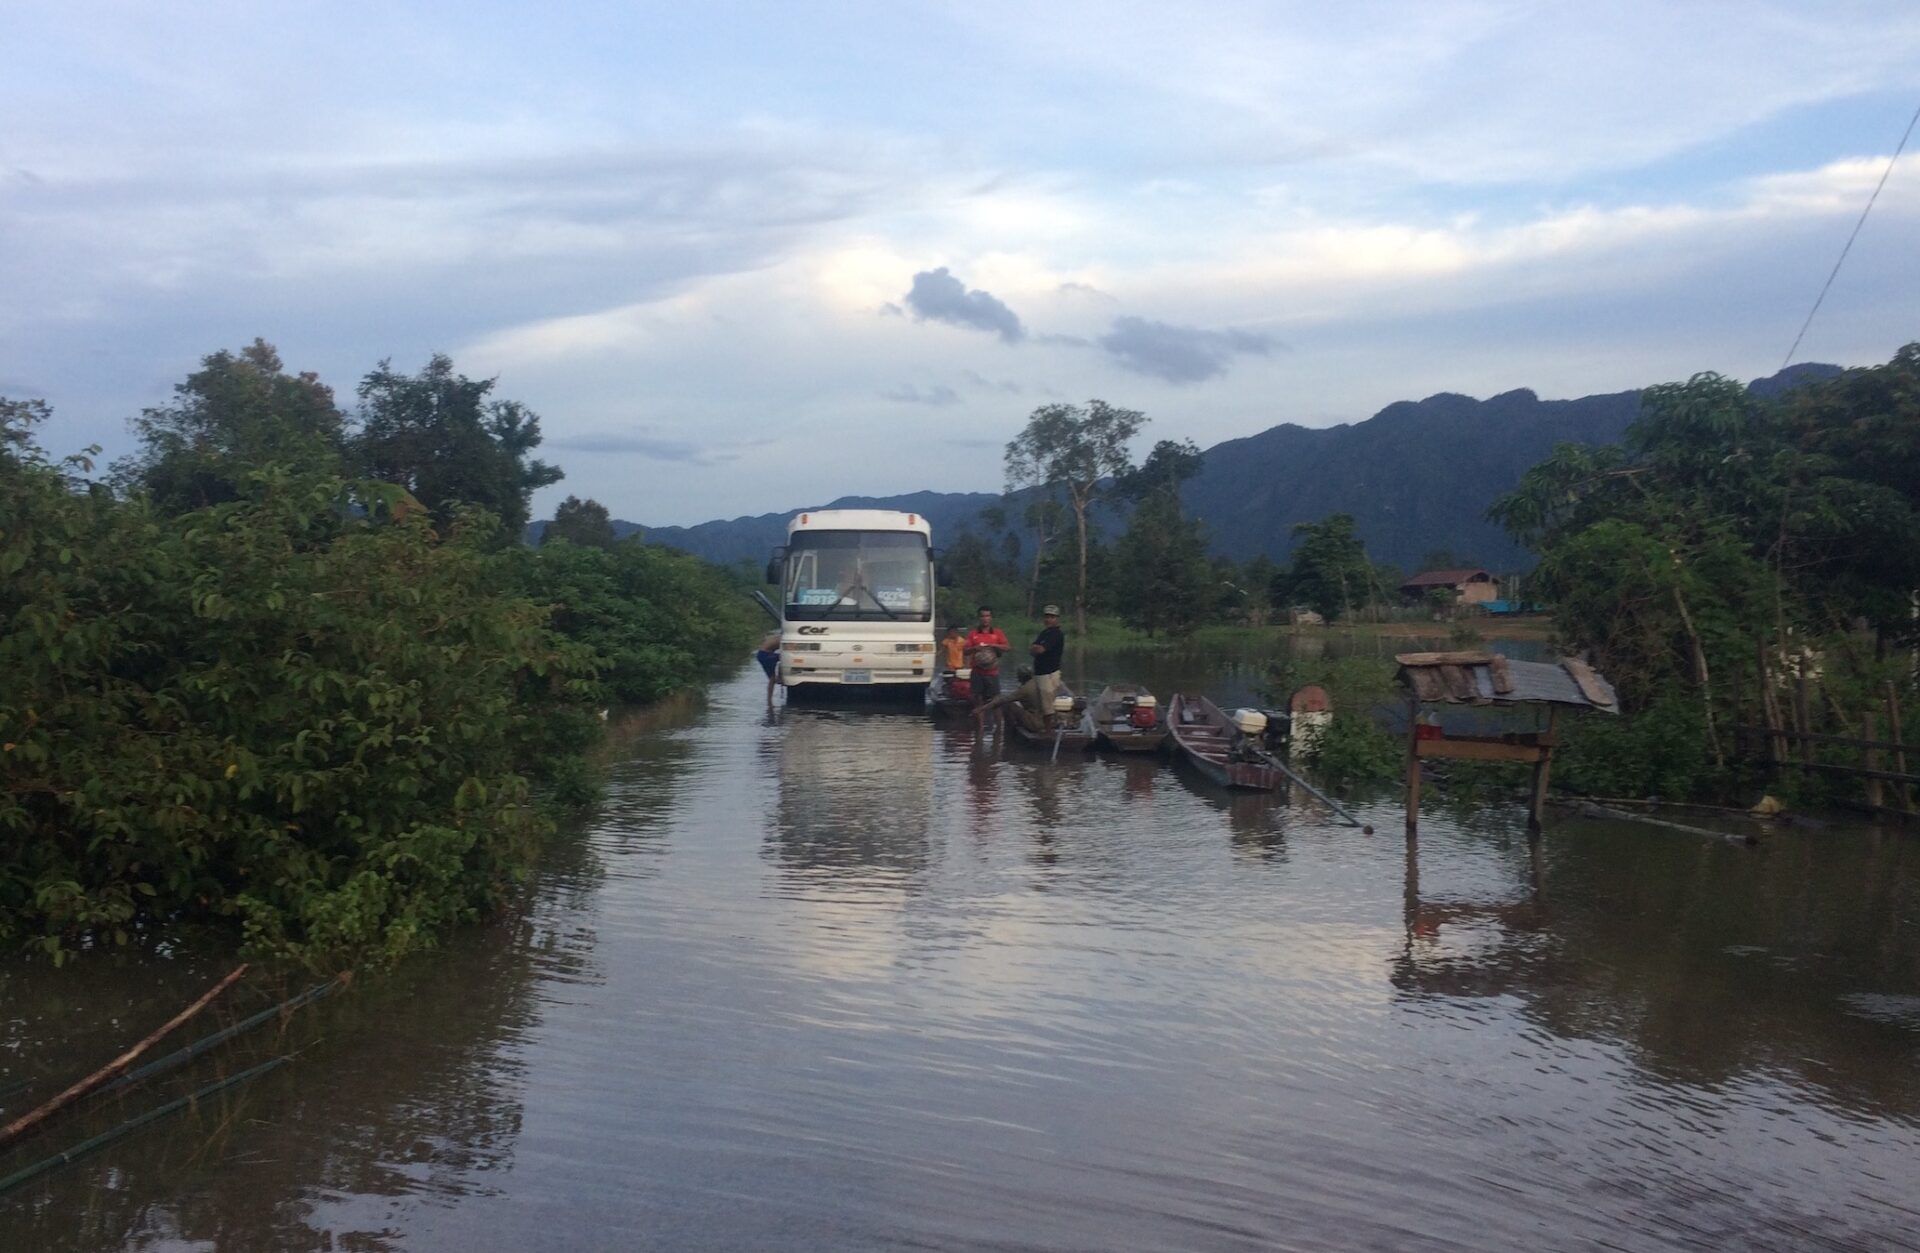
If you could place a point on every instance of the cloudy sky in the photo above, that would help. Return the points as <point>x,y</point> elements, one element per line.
<point>745,257</point>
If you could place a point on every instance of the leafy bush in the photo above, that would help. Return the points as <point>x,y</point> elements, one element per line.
<point>271,715</point>
<point>654,619</point>
<point>1355,749</point>
<point>1659,751</point>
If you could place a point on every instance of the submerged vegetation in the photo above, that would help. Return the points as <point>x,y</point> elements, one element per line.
<point>287,678</point>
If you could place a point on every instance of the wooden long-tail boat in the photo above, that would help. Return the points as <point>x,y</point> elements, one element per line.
<point>1209,739</point>
<point>1065,730</point>
<point>1110,716</point>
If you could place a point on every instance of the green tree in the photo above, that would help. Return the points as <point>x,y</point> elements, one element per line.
<point>238,413</point>
<point>1080,448</point>
<point>274,715</point>
<point>582,522</point>
<point>656,621</point>
<point>1725,524</point>
<point>1044,516</point>
<point>17,420</point>
<point>1160,568</point>
<point>438,435</point>
<point>1330,567</point>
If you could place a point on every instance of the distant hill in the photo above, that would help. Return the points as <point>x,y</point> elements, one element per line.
<point>1416,476</point>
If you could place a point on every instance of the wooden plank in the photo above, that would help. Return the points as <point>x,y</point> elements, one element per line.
<point>1444,659</point>
<point>1850,741</point>
<point>1427,685</point>
<point>1856,771</point>
<point>1587,681</point>
<point>1459,682</point>
<point>1413,770</point>
<point>1480,750</point>
<point>1542,767</point>
<point>1502,677</point>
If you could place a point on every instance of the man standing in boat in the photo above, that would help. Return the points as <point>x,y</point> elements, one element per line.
<point>1047,648</point>
<point>985,643</point>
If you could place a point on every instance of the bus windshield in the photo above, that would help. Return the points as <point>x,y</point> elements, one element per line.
<point>859,576</point>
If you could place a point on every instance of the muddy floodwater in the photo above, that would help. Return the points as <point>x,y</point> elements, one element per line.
<point>834,979</point>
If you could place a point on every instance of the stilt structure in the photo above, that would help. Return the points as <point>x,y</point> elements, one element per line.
<point>1489,679</point>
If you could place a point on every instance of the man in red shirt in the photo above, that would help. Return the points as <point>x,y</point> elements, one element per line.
<point>986,674</point>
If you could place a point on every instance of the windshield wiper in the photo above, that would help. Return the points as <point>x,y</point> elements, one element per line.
<point>870,596</point>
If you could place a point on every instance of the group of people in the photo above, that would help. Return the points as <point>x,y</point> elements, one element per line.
<point>981,649</point>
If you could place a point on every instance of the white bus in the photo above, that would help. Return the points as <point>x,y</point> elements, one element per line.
<point>856,601</point>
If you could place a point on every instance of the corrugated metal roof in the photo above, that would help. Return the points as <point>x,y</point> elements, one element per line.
<point>1444,578</point>
<point>1479,678</point>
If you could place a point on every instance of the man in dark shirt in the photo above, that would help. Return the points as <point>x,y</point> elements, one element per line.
<point>1047,648</point>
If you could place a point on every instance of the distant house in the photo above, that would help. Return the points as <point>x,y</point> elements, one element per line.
<point>1470,587</point>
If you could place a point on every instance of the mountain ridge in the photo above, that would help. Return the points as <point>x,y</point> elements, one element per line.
<point>1416,476</point>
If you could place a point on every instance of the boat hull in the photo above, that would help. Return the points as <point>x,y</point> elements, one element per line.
<point>1204,738</point>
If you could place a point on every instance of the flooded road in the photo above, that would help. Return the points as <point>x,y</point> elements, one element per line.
<point>842,980</point>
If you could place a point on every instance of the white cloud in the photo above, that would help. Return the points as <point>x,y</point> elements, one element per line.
<point>678,247</point>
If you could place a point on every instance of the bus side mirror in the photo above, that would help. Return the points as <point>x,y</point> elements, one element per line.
<point>774,563</point>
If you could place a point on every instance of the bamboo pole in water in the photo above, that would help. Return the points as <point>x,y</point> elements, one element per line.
<point>105,1138</point>
<point>34,1117</point>
<point>1592,810</point>
<point>180,1057</point>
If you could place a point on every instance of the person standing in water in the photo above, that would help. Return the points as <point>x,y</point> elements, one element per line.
<point>985,643</point>
<point>953,649</point>
<point>768,655</point>
<point>1048,648</point>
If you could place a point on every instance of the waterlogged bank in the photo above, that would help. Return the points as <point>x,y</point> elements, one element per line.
<point>822,979</point>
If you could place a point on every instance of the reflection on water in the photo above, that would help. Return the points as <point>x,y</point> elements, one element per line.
<point>823,979</point>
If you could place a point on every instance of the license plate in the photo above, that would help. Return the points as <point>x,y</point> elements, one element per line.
<point>856,676</point>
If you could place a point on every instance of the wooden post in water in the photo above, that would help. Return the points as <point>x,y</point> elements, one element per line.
<point>1413,767</point>
<point>1770,712</point>
<point>1803,716</point>
<point>1876,795</point>
<point>1541,769</point>
<point>1899,748</point>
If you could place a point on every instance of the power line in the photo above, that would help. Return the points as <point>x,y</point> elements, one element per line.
<point>1901,147</point>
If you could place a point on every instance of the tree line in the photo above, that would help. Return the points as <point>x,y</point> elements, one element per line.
<point>1740,560</point>
<point>286,675</point>
<point>1070,477</point>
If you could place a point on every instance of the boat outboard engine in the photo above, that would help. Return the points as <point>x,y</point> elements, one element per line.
<point>1252,727</point>
<point>1143,712</point>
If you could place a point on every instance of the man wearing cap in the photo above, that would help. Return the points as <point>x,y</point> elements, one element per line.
<point>1047,648</point>
<point>985,643</point>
